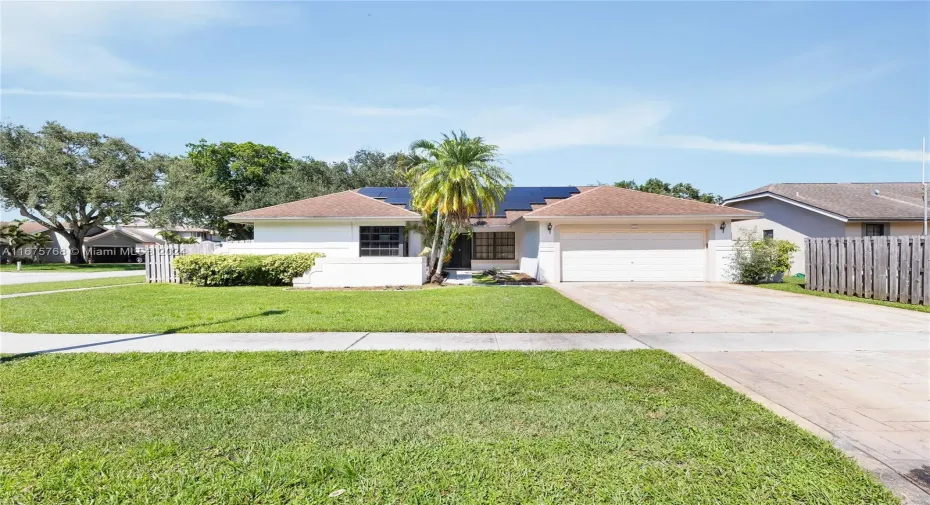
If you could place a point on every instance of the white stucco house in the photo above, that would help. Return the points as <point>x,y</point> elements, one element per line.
<point>556,234</point>
<point>795,211</point>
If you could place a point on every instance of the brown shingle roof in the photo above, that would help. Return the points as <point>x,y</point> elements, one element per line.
<point>337,205</point>
<point>612,201</point>
<point>852,200</point>
<point>27,227</point>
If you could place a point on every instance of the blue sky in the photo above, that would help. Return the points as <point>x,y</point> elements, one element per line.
<point>727,96</point>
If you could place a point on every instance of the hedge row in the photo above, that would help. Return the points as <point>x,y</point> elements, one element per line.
<point>243,269</point>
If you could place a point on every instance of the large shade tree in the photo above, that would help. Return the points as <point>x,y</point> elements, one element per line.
<point>455,178</point>
<point>218,179</point>
<point>680,190</point>
<point>72,181</point>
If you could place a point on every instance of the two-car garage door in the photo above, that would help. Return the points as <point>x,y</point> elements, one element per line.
<point>623,256</point>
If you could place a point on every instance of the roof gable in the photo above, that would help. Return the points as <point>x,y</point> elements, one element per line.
<point>605,201</point>
<point>346,204</point>
<point>856,201</point>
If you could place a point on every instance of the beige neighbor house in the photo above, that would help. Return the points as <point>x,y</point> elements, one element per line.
<point>795,211</point>
<point>555,234</point>
<point>102,245</point>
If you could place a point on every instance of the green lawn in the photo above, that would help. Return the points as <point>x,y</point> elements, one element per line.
<point>402,427</point>
<point>795,285</point>
<point>182,308</point>
<point>52,286</point>
<point>63,267</point>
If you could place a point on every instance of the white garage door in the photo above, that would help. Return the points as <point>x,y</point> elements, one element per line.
<point>633,256</point>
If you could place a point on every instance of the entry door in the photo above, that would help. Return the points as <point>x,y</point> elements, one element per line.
<point>461,253</point>
<point>633,256</point>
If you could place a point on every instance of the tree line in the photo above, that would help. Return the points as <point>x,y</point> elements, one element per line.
<point>72,181</point>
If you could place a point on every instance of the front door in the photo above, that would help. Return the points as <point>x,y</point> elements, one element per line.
<point>461,253</point>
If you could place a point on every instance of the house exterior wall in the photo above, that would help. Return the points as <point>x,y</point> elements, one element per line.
<point>894,228</point>
<point>788,222</point>
<point>338,272</point>
<point>332,238</point>
<point>511,264</point>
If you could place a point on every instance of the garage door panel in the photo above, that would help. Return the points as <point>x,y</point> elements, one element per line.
<point>633,256</point>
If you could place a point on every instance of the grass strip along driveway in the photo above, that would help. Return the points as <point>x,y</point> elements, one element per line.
<point>402,427</point>
<point>159,308</point>
<point>795,285</point>
<point>36,287</point>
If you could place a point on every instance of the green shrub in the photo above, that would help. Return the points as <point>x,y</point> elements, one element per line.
<point>284,267</point>
<point>756,261</point>
<point>242,269</point>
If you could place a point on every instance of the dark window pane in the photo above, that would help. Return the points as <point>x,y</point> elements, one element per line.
<point>495,245</point>
<point>874,230</point>
<point>768,234</point>
<point>380,240</point>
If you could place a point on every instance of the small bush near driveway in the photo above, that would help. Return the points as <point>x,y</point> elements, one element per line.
<point>184,308</point>
<point>402,427</point>
<point>243,269</point>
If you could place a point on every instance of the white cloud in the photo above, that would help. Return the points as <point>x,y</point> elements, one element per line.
<point>74,40</point>
<point>229,99</point>
<point>609,128</point>
<point>730,146</point>
<point>144,95</point>
<point>380,111</point>
<point>638,125</point>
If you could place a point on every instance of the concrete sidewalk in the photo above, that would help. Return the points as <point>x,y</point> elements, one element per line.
<point>24,343</point>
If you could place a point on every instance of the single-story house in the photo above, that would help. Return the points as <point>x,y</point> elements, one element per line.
<point>795,211</point>
<point>183,231</point>
<point>102,245</point>
<point>556,234</point>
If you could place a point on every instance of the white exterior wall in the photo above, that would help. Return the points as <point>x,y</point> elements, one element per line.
<point>529,249</point>
<point>335,239</point>
<point>339,272</point>
<point>414,243</point>
<point>550,254</point>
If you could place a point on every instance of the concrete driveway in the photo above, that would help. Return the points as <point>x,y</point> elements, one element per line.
<point>711,308</point>
<point>8,278</point>
<point>853,373</point>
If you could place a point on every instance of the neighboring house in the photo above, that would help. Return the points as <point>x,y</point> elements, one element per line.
<point>102,245</point>
<point>556,234</point>
<point>795,211</point>
<point>201,234</point>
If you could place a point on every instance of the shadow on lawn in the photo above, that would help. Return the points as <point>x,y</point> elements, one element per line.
<point>141,337</point>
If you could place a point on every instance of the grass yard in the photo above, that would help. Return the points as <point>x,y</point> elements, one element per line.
<point>795,285</point>
<point>402,427</point>
<point>63,267</point>
<point>157,308</point>
<point>52,286</point>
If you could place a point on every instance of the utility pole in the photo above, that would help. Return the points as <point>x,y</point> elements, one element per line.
<point>923,178</point>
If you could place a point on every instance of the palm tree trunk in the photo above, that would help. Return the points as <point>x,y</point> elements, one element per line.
<point>446,235</point>
<point>434,251</point>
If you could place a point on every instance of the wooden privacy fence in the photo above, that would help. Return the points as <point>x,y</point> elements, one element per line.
<point>158,267</point>
<point>894,269</point>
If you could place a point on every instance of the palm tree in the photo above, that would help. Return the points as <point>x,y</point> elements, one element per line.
<point>37,242</point>
<point>14,236</point>
<point>457,178</point>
